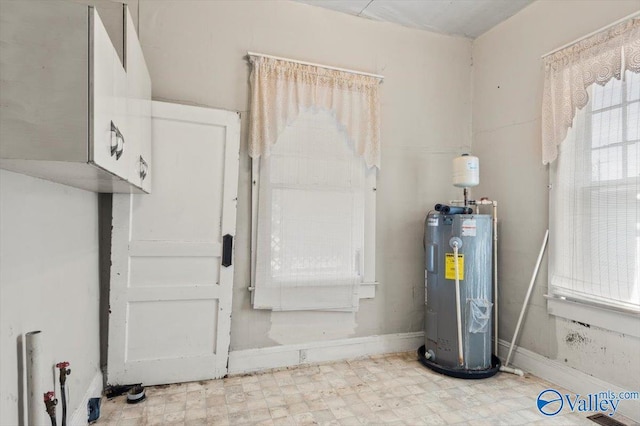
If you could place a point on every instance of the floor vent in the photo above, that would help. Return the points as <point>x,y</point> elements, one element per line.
<point>601,419</point>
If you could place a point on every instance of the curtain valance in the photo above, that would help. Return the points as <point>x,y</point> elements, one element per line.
<point>280,89</point>
<point>570,71</point>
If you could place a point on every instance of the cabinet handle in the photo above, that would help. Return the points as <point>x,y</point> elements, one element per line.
<point>114,139</point>
<point>117,148</point>
<point>120,149</point>
<point>144,168</point>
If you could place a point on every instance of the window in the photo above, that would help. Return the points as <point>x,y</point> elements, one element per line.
<point>314,238</point>
<point>315,143</point>
<point>595,201</point>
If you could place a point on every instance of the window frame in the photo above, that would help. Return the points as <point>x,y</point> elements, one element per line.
<point>574,307</point>
<point>367,288</point>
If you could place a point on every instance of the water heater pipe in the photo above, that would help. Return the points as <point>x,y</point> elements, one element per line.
<point>515,371</point>
<point>35,375</point>
<point>526,299</point>
<point>458,309</point>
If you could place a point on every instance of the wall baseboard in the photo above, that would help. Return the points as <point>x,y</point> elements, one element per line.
<point>251,360</point>
<point>567,377</point>
<point>80,415</point>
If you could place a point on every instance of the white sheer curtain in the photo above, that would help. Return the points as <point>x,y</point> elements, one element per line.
<point>569,73</point>
<point>281,89</point>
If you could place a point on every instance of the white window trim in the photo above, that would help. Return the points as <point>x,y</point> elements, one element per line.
<point>367,289</point>
<point>606,318</point>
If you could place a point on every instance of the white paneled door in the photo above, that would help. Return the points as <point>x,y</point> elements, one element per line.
<point>172,253</point>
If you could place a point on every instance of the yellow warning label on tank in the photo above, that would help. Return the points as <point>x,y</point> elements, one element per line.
<point>450,267</point>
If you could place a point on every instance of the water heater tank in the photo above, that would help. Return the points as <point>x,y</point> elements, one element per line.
<point>474,274</point>
<point>466,171</point>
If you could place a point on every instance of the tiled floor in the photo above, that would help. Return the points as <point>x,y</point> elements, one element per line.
<point>385,389</point>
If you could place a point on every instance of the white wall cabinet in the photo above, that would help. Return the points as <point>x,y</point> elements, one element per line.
<point>138,109</point>
<point>71,112</point>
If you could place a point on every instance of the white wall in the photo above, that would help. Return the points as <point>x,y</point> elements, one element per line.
<point>507,96</point>
<point>48,282</point>
<point>196,52</point>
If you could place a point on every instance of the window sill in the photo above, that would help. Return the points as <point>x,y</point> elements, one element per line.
<point>608,319</point>
<point>366,290</point>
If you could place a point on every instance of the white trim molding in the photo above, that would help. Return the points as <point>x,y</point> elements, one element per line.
<point>569,378</point>
<point>609,319</point>
<point>81,414</point>
<point>251,360</point>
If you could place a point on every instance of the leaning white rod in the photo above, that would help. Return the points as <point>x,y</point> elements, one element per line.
<point>495,277</point>
<point>606,27</point>
<point>526,299</point>
<point>35,375</point>
<point>381,77</point>
<point>458,308</point>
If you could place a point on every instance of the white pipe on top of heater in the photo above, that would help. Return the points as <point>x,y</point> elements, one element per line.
<point>526,299</point>
<point>458,309</point>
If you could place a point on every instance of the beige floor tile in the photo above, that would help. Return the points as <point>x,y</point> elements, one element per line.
<point>215,400</point>
<point>131,422</point>
<point>217,419</point>
<point>177,416</point>
<point>174,407</point>
<point>155,410</point>
<point>267,422</point>
<point>260,415</point>
<point>298,408</point>
<point>154,420</point>
<point>238,407</point>
<point>284,421</point>
<point>278,412</point>
<point>323,416</point>
<point>200,413</point>
<point>386,416</point>
<point>217,391</point>
<point>256,404</point>
<point>275,401</point>
<point>239,418</point>
<point>196,422</point>
<point>317,405</point>
<point>433,419</point>
<point>176,397</point>
<point>341,412</point>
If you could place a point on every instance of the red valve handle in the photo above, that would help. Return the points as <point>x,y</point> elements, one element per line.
<point>49,396</point>
<point>63,364</point>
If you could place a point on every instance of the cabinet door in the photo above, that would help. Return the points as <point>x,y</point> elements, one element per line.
<point>108,113</point>
<point>139,109</point>
<point>121,117</point>
<point>146,148</point>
